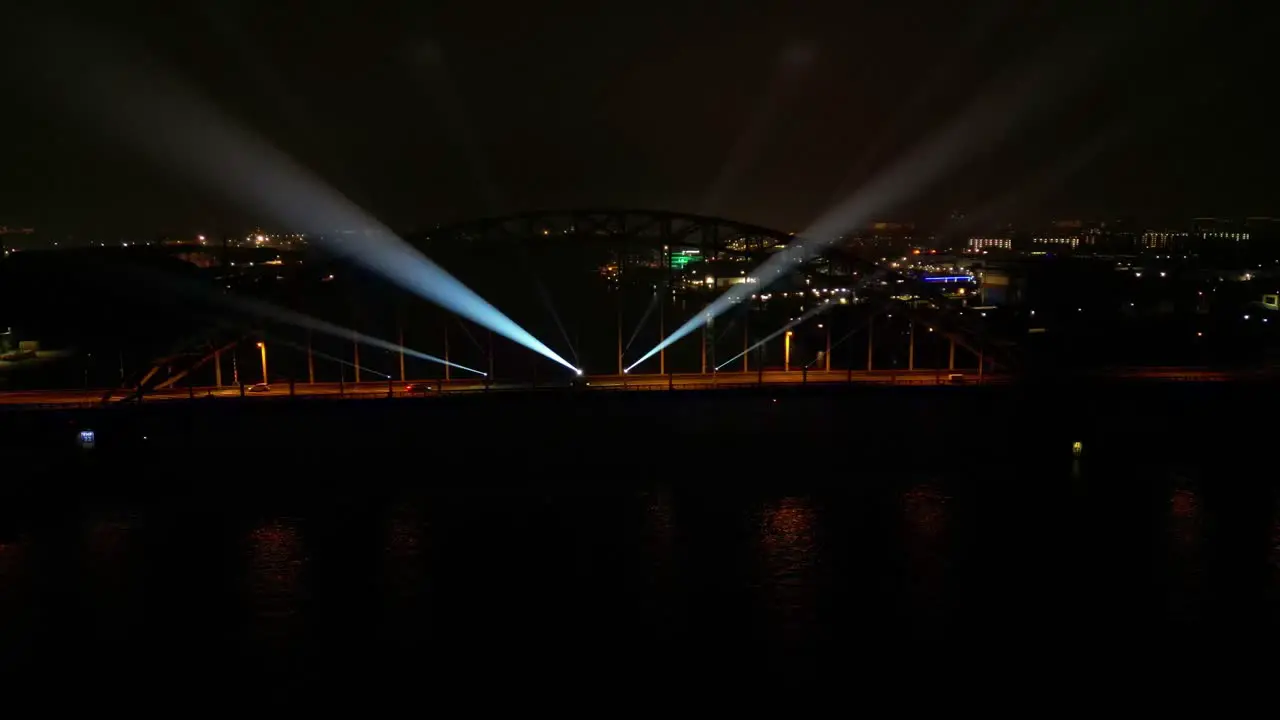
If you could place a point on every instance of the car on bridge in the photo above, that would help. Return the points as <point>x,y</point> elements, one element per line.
<point>418,389</point>
<point>260,388</point>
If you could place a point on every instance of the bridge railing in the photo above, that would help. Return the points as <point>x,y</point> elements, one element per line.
<point>27,400</point>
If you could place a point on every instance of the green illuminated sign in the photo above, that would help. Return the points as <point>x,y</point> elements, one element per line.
<point>684,257</point>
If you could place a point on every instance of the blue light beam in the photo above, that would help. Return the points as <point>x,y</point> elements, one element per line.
<point>161,116</point>
<point>986,120</point>
<point>327,356</point>
<point>297,319</point>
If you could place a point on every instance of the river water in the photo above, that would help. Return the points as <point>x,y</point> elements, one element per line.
<point>270,598</point>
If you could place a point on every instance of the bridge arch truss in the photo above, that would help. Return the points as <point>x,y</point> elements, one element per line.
<point>651,238</point>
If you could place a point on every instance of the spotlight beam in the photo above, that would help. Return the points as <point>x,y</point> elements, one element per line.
<point>989,118</point>
<point>859,328</point>
<point>331,358</point>
<point>653,303</point>
<point>162,116</point>
<point>165,283</point>
<point>297,319</point>
<point>808,314</point>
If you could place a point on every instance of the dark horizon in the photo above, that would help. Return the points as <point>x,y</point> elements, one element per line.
<point>437,115</point>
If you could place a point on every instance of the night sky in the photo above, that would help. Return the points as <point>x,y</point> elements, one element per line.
<point>768,112</point>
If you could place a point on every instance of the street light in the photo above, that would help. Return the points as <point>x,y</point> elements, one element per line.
<point>262,350</point>
<point>786,355</point>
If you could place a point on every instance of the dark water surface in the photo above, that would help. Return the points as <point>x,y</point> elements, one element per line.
<point>297,595</point>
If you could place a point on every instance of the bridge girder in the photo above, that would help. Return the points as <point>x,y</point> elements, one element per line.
<point>627,230</point>
<point>167,371</point>
<point>716,238</point>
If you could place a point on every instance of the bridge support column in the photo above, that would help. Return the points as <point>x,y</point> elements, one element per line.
<point>217,368</point>
<point>827,356</point>
<point>704,348</point>
<point>746,340</point>
<point>951,356</point>
<point>400,340</point>
<point>870,341</point>
<point>662,332</point>
<point>911,347</point>
<point>311,362</point>
<point>446,351</point>
<point>356,347</point>
<point>982,365</point>
<point>711,340</point>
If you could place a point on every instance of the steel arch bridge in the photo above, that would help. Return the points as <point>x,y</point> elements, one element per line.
<point>650,237</point>
<point>653,229</point>
<point>658,234</point>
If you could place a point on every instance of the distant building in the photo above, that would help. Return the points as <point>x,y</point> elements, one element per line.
<point>1217,230</point>
<point>1264,228</point>
<point>1170,240</point>
<point>990,243</point>
<point>1054,242</point>
<point>888,238</point>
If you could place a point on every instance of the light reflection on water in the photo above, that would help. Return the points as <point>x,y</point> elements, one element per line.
<point>113,555</point>
<point>17,604</point>
<point>659,536</point>
<point>1274,553</point>
<point>276,566</point>
<point>1186,533</point>
<point>683,570</point>
<point>407,584</point>
<point>927,523</point>
<point>111,547</point>
<point>790,566</point>
<point>404,571</point>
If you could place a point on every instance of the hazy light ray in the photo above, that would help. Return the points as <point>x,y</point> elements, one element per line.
<point>471,336</point>
<point>428,58</point>
<point>293,317</point>
<point>857,329</point>
<point>787,70</point>
<point>1068,166</point>
<point>160,116</point>
<point>327,356</point>
<point>970,38</point>
<point>827,305</point>
<point>985,120</point>
<point>653,303</point>
<point>551,309</point>
<point>165,283</point>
